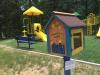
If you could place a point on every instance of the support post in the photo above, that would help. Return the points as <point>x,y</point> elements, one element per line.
<point>66,72</point>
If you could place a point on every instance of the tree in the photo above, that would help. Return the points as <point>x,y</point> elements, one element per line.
<point>11,17</point>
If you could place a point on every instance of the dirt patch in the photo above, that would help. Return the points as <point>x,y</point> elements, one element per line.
<point>56,66</point>
<point>35,71</point>
<point>38,63</point>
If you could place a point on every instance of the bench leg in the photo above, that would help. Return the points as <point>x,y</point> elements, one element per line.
<point>17,44</point>
<point>29,45</point>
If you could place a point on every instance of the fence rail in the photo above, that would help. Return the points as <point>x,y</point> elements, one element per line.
<point>86,68</point>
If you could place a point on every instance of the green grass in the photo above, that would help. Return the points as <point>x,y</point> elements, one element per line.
<point>38,46</point>
<point>90,52</point>
<point>9,42</point>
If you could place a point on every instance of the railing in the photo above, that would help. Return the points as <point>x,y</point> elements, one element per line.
<point>86,68</point>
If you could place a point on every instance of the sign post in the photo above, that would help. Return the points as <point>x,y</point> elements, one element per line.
<point>68,65</point>
<point>66,72</point>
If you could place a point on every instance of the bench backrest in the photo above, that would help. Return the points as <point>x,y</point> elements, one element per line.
<point>29,38</point>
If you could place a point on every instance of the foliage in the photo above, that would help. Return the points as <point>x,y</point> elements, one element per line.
<point>11,12</point>
<point>10,20</point>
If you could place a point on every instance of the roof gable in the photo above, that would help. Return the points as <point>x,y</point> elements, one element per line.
<point>70,21</point>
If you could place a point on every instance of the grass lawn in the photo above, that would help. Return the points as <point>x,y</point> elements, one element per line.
<point>90,52</point>
<point>39,46</point>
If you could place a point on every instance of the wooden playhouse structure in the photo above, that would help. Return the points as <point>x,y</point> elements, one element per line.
<point>65,34</point>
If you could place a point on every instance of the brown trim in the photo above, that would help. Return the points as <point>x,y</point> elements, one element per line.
<point>77,50</point>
